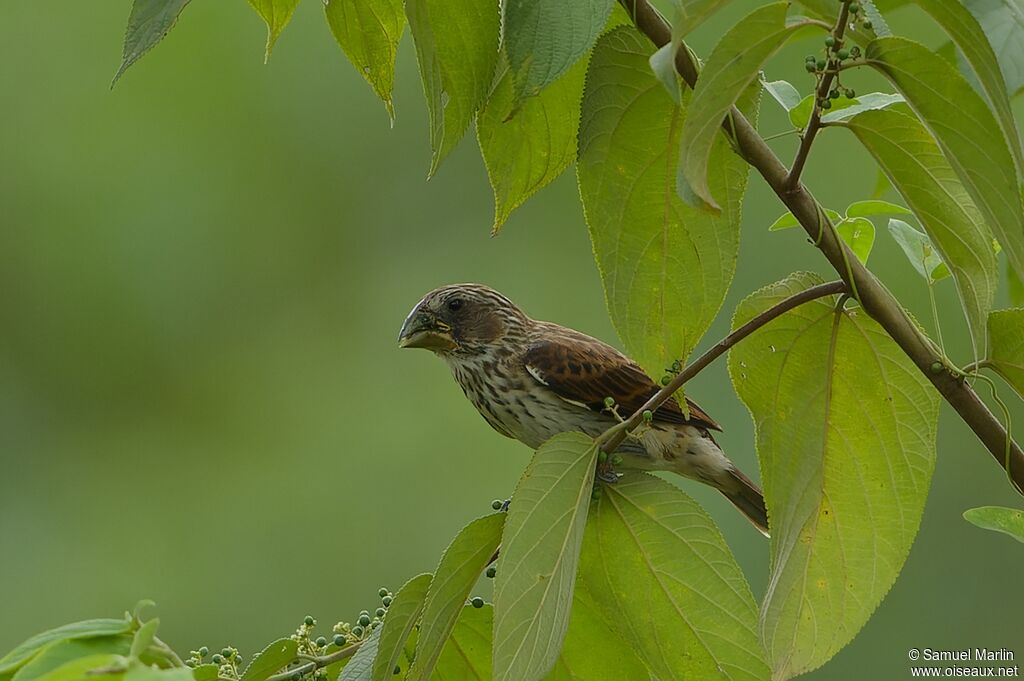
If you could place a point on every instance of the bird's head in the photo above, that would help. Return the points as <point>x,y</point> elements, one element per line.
<point>461,319</point>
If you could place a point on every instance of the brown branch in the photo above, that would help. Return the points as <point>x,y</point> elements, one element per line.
<point>319,662</point>
<point>716,351</point>
<point>877,301</point>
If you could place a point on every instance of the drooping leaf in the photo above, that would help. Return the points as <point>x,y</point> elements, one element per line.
<point>920,251</point>
<point>1006,330</point>
<point>665,266</point>
<point>61,653</point>
<point>369,32</point>
<point>783,92</point>
<point>845,433</point>
<point>207,672</point>
<point>360,666</point>
<point>144,637</point>
<point>968,35</point>
<point>963,126</point>
<point>661,572</point>
<point>85,629</point>
<point>859,235</point>
<point>148,23</point>
<point>732,67</point>
<point>539,553</point>
<point>544,38</point>
<point>457,51</point>
<point>98,667</point>
<point>849,108</point>
<point>873,207</point>
<point>275,14</point>
<point>999,519</point>
<point>1014,287</point>
<point>788,220</point>
<point>592,650</point>
<point>142,672</point>
<point>459,569</point>
<point>528,151</point>
<point>271,659</point>
<point>1003,24</point>
<point>919,171</point>
<point>403,614</point>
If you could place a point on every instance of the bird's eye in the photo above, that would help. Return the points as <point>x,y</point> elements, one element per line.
<point>455,304</point>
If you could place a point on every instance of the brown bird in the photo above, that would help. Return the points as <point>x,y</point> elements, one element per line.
<point>532,380</point>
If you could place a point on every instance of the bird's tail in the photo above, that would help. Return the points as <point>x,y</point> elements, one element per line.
<point>747,497</point>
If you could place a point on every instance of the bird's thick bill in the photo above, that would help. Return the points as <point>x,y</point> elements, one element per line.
<point>424,330</point>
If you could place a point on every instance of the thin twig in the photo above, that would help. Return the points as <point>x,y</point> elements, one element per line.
<point>874,297</point>
<point>318,663</point>
<point>618,433</point>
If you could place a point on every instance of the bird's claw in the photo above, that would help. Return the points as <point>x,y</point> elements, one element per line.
<point>606,473</point>
<point>505,505</point>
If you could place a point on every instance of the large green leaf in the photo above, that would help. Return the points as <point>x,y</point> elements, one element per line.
<point>141,672</point>
<point>998,519</point>
<point>275,14</point>
<point>86,629</point>
<point>539,553</point>
<point>1006,329</point>
<point>592,650</point>
<point>459,569</point>
<point>97,667</point>
<point>915,165</point>
<point>467,654</point>
<point>457,50</point>
<point>526,152</point>
<point>968,35</point>
<point>1003,23</point>
<point>845,430</point>
<point>665,265</point>
<point>660,570</point>
<point>60,653</point>
<point>360,667</point>
<point>963,126</point>
<point>544,38</point>
<point>272,658</point>
<point>402,616</point>
<point>920,251</point>
<point>732,67</point>
<point>148,23</point>
<point>369,32</point>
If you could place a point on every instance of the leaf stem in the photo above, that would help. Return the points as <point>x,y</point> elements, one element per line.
<point>318,663</point>
<point>614,436</point>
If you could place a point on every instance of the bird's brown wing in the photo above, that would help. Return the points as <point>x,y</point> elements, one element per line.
<point>585,371</point>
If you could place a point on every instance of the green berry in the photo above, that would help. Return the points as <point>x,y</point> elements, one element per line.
<point>854,7</point>
<point>834,94</point>
<point>830,41</point>
<point>382,592</point>
<point>364,620</point>
<point>309,621</point>
<point>811,57</point>
<point>648,415</point>
<point>855,51</point>
<point>602,456</point>
<point>609,402</point>
<point>820,64</point>
<point>811,67</point>
<point>497,504</point>
<point>357,630</point>
<point>321,642</point>
<point>190,663</point>
<point>398,670</point>
<point>204,651</point>
<point>850,93</point>
<point>491,571</point>
<point>386,601</point>
<point>217,659</point>
<point>936,367</point>
<point>867,25</point>
<point>379,612</point>
<point>340,640</point>
<point>665,380</point>
<point>826,104</point>
<point>595,494</point>
<point>477,602</point>
<point>843,54</point>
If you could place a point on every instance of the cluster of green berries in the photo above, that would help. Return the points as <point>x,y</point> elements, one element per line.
<point>671,372</point>
<point>228,659</point>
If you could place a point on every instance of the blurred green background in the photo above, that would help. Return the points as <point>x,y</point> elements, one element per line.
<point>202,274</point>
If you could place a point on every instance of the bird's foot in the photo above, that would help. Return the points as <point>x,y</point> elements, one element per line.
<point>504,505</point>
<point>606,473</point>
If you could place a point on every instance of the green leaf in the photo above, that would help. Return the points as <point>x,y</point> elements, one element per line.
<point>999,519</point>
<point>658,567</point>
<point>788,220</point>
<point>141,672</point>
<point>403,614</point>
<point>360,667</point>
<point>1015,287</point>
<point>800,114</point>
<point>859,235</point>
<point>732,67</point>
<point>467,654</point>
<point>825,10</point>
<point>544,38</point>
<point>665,266</point>
<point>528,151</point>
<point>919,171</point>
<point>275,14</point>
<point>274,657</point>
<point>963,126</point>
<point>148,23</point>
<point>1003,24</point>
<point>1006,329</point>
<point>458,571</point>
<point>920,251</point>
<point>457,51</point>
<point>205,672</point>
<point>968,35</point>
<point>844,108</point>
<point>873,207</point>
<point>144,637</point>
<point>783,93</point>
<point>592,650</point>
<point>539,553</point>
<point>58,654</point>
<point>99,667</point>
<point>369,31</point>
<point>85,629</point>
<point>845,433</point>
